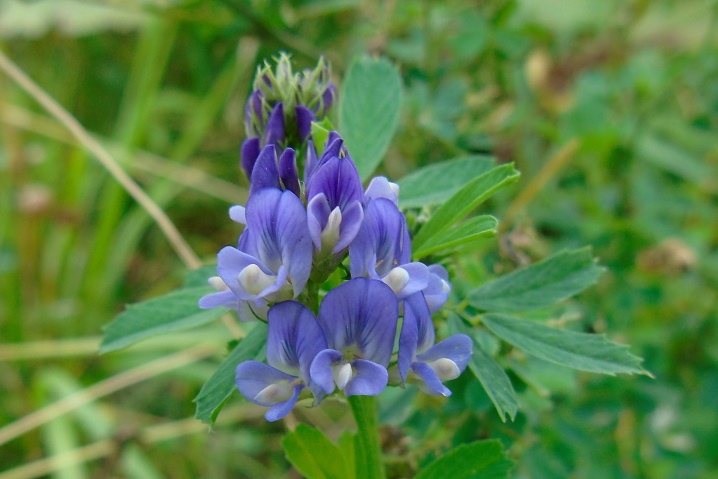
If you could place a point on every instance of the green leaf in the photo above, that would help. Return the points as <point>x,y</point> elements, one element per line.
<point>477,460</point>
<point>198,277</point>
<point>463,201</point>
<point>541,284</point>
<point>315,456</point>
<point>369,111</point>
<point>478,227</point>
<point>219,388</point>
<point>436,183</point>
<point>582,351</point>
<point>172,312</point>
<point>672,158</point>
<point>492,377</point>
<point>320,133</point>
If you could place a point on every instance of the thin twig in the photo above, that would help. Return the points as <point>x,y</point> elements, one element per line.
<point>183,250</point>
<point>152,163</point>
<point>180,246</point>
<point>88,346</point>
<point>103,388</point>
<point>45,466</point>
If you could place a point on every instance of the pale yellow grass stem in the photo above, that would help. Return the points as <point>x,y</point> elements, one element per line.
<point>103,388</point>
<point>86,140</point>
<point>154,164</point>
<point>150,435</point>
<point>183,250</point>
<point>548,171</point>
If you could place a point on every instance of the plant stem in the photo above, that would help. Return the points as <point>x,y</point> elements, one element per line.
<point>366,443</point>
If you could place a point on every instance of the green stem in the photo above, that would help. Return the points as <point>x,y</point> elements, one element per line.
<point>366,443</point>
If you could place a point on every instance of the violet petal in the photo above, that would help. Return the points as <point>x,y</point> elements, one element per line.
<point>288,171</point>
<point>438,288</point>
<point>362,314</point>
<point>318,212</point>
<point>222,298</point>
<point>277,223</point>
<point>279,410</point>
<point>434,386</point>
<point>249,153</point>
<point>265,173</point>
<point>380,187</point>
<point>417,332</point>
<point>237,214</point>
<point>230,262</point>
<point>382,242</point>
<point>418,279</point>
<point>352,218</point>
<point>294,338</point>
<point>321,369</point>
<point>369,379</point>
<point>275,133</point>
<point>456,347</point>
<point>305,117</point>
<point>252,377</point>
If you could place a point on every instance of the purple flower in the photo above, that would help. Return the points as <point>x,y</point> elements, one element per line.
<point>293,340</point>
<point>380,187</point>
<point>334,195</point>
<point>438,288</point>
<point>274,255</point>
<point>382,250</point>
<point>272,172</point>
<point>421,361</point>
<point>359,321</point>
<point>334,146</point>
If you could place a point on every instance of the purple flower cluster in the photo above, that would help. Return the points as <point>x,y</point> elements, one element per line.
<point>282,107</point>
<point>297,233</point>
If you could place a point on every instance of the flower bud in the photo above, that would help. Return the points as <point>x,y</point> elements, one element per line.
<point>282,106</point>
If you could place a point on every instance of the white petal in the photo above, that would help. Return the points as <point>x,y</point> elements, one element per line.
<point>330,233</point>
<point>273,393</point>
<point>342,374</point>
<point>397,279</point>
<point>253,280</point>
<point>217,283</point>
<point>445,368</point>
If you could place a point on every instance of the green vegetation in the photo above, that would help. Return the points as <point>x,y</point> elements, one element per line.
<point>608,109</point>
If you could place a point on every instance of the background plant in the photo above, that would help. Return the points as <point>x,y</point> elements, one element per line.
<point>607,111</point>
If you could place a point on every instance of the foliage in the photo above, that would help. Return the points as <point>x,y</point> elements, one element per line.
<point>162,87</point>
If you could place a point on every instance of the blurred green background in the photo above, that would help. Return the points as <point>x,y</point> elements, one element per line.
<point>609,109</point>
